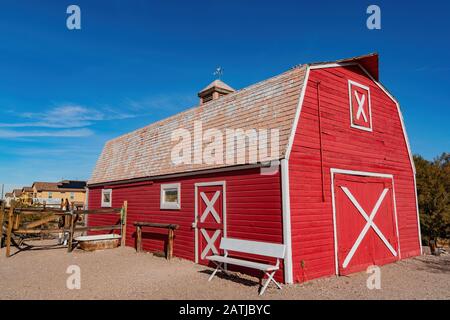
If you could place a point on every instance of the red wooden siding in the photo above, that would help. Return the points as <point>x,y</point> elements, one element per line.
<point>382,151</point>
<point>253,209</point>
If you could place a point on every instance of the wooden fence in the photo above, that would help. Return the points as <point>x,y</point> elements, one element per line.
<point>14,221</point>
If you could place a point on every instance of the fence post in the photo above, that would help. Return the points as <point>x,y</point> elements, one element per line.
<point>9,230</point>
<point>16,221</point>
<point>2,215</point>
<point>72,231</point>
<point>124,223</point>
<point>169,249</point>
<point>138,238</point>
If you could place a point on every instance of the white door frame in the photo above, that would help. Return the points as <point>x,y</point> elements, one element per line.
<point>334,171</point>
<point>196,214</point>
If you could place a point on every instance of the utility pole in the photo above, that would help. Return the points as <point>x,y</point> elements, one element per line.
<point>3,189</point>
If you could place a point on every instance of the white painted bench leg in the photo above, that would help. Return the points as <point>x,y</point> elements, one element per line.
<point>269,279</point>
<point>278,285</point>
<point>219,267</point>
<point>270,275</point>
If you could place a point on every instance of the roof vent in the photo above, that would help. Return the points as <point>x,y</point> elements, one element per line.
<point>213,91</point>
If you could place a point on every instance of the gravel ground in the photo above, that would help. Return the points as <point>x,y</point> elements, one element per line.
<point>123,274</point>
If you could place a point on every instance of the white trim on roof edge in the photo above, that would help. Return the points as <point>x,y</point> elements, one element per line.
<point>297,115</point>
<point>287,234</point>
<point>333,65</point>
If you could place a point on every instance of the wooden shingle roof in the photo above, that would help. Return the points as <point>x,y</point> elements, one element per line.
<point>270,104</point>
<point>62,186</point>
<point>17,192</point>
<point>45,186</point>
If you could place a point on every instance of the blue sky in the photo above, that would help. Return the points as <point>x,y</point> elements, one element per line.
<point>64,93</point>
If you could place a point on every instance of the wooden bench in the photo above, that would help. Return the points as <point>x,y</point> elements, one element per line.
<point>251,247</point>
<point>171,227</point>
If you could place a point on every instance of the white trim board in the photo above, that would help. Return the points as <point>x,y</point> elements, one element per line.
<point>196,218</point>
<point>418,217</point>
<point>334,171</point>
<point>287,232</point>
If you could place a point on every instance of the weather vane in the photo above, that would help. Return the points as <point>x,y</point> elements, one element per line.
<point>219,72</point>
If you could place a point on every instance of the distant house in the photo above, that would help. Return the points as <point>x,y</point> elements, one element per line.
<point>8,197</point>
<point>27,195</point>
<point>53,192</point>
<point>17,194</point>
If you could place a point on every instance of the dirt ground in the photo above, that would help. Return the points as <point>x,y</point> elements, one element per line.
<point>123,274</point>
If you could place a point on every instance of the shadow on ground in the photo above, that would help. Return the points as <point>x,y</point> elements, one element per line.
<point>434,264</point>
<point>232,277</point>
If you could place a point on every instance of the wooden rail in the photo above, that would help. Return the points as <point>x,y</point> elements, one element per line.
<point>171,227</point>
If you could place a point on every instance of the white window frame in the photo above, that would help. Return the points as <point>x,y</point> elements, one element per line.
<point>170,205</point>
<point>369,105</point>
<point>106,204</point>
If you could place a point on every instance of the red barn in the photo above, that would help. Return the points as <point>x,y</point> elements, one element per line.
<point>336,185</point>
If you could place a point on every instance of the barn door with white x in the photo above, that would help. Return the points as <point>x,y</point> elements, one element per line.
<point>369,224</point>
<point>210,220</point>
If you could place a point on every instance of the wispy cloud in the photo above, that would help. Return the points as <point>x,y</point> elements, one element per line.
<point>74,120</point>
<point>66,116</point>
<point>10,134</point>
<point>69,121</point>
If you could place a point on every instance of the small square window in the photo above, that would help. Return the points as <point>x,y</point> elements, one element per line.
<point>106,198</point>
<point>170,196</point>
<point>50,195</point>
<point>72,195</point>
